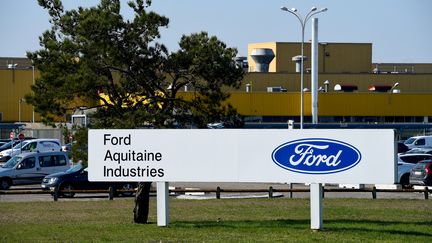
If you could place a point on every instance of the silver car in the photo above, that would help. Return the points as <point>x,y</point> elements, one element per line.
<point>31,168</point>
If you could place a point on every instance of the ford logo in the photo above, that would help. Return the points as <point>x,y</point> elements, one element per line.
<point>316,156</point>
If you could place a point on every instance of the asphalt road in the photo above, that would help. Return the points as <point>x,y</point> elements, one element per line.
<point>213,186</point>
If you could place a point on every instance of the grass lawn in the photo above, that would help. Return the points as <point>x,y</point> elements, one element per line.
<point>226,220</point>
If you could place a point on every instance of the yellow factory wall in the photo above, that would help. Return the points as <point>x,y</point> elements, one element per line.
<point>345,57</point>
<point>414,99</point>
<point>408,83</point>
<point>265,104</point>
<point>332,104</point>
<point>284,54</point>
<point>377,104</point>
<point>332,57</point>
<point>15,84</point>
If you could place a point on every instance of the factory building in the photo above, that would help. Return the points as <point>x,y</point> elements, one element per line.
<point>352,89</point>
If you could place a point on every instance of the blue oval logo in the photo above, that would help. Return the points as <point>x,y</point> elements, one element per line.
<point>316,156</point>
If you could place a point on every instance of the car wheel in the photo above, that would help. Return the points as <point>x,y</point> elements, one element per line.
<point>67,187</point>
<point>405,181</point>
<point>5,184</point>
<point>127,186</point>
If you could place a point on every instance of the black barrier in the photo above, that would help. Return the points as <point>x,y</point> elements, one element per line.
<point>218,191</point>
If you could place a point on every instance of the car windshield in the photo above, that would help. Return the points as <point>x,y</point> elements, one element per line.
<point>409,141</point>
<point>18,146</point>
<point>12,162</point>
<point>75,168</point>
<point>414,158</point>
<point>419,151</point>
<point>7,145</point>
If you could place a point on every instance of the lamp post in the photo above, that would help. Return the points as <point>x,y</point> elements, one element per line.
<point>303,22</point>
<point>12,66</point>
<point>33,79</point>
<point>20,101</point>
<point>391,91</point>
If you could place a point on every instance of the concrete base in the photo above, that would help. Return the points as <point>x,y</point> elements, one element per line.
<point>352,186</point>
<point>422,187</point>
<point>174,188</point>
<point>194,193</point>
<point>228,196</point>
<point>388,187</point>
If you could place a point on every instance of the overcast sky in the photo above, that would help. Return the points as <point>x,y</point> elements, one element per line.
<point>400,30</point>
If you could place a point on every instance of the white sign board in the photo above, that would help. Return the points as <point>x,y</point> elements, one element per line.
<point>351,156</point>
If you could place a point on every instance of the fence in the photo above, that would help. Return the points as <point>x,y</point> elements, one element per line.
<point>218,191</point>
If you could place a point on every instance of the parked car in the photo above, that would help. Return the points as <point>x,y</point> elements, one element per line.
<point>33,145</point>
<point>418,142</point>
<point>76,178</point>
<point>31,168</point>
<point>405,163</point>
<point>420,151</point>
<point>9,144</point>
<point>421,173</point>
<point>402,148</point>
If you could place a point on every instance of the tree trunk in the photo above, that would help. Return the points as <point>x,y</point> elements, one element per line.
<point>142,198</point>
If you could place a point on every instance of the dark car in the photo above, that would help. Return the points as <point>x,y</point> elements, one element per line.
<point>401,148</point>
<point>421,173</point>
<point>76,178</point>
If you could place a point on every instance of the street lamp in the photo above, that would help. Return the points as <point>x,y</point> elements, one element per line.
<point>391,91</point>
<point>303,22</point>
<point>12,66</point>
<point>393,87</point>
<point>33,81</point>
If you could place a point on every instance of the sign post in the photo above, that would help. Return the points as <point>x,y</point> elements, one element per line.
<point>162,199</point>
<point>316,204</point>
<point>243,155</point>
<point>12,136</point>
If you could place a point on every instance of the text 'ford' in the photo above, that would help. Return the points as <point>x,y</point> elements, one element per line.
<point>316,156</point>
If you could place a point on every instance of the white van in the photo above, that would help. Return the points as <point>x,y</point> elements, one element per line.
<point>33,145</point>
<point>31,168</point>
<point>419,142</point>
